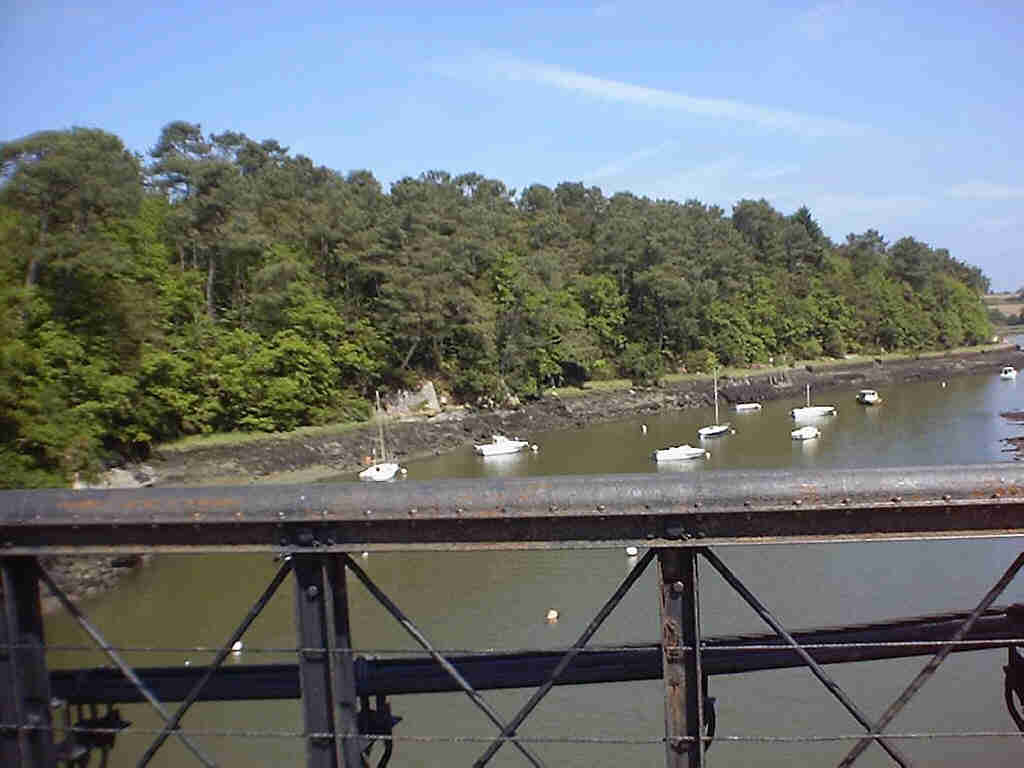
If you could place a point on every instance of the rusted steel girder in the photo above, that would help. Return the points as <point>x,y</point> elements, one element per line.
<point>702,509</point>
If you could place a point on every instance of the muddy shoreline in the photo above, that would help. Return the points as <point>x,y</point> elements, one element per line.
<point>308,459</point>
<point>303,458</point>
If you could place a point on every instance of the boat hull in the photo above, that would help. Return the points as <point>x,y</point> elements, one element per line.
<point>813,412</point>
<point>500,446</point>
<point>805,433</point>
<point>741,407</point>
<point>680,453</point>
<point>381,472</point>
<point>714,430</point>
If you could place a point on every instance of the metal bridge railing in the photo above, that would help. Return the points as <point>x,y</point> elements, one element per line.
<point>315,527</point>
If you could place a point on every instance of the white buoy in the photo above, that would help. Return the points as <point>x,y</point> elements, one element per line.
<point>552,616</point>
<point>943,385</point>
<point>236,647</point>
<point>188,662</point>
<point>534,448</point>
<point>404,471</point>
<point>364,554</point>
<point>632,551</point>
<point>643,428</point>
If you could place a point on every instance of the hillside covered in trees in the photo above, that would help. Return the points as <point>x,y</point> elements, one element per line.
<point>223,283</point>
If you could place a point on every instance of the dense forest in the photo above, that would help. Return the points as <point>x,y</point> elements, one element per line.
<point>222,283</point>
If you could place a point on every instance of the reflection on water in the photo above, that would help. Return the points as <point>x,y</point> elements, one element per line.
<point>682,465</point>
<point>499,600</point>
<point>504,464</point>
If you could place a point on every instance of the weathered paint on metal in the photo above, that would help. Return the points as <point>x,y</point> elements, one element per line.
<point>525,513</point>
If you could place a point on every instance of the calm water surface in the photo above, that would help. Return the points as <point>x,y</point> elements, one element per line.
<point>499,600</point>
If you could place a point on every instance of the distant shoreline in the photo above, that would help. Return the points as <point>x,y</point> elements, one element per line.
<point>311,455</point>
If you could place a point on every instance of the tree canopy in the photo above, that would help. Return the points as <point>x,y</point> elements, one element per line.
<point>226,283</point>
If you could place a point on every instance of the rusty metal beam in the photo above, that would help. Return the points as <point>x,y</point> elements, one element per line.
<point>25,691</point>
<point>679,590</point>
<point>704,508</point>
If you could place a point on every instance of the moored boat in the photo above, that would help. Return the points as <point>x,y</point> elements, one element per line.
<point>500,445</point>
<point>716,429</point>
<point>680,452</point>
<point>1008,372</point>
<point>868,397</point>
<point>383,470</point>
<point>808,432</point>
<point>812,411</point>
<point>743,407</point>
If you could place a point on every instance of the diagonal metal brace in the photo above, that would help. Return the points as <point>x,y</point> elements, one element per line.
<point>567,659</point>
<point>929,669</point>
<point>418,636</point>
<point>222,654</point>
<point>816,668</point>
<point>125,668</point>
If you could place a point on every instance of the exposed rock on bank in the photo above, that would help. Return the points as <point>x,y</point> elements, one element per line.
<point>1016,443</point>
<point>83,577</point>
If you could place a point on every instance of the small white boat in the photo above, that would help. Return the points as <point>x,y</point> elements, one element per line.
<point>809,432</point>
<point>742,407</point>
<point>1009,372</point>
<point>500,445</point>
<point>383,470</point>
<point>812,411</point>
<point>680,453</point>
<point>868,397</point>
<point>716,429</point>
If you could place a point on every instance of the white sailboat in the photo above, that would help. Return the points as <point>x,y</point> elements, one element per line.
<point>812,411</point>
<point>680,453</point>
<point>809,432</point>
<point>716,429</point>
<point>383,470</point>
<point>500,446</point>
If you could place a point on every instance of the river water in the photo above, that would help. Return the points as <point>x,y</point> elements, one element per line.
<point>499,600</point>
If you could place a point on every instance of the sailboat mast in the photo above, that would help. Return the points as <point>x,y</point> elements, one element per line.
<point>380,429</point>
<point>808,395</point>
<point>716,395</point>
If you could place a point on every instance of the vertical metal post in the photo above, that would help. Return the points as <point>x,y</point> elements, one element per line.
<point>321,612</point>
<point>25,681</point>
<point>681,669</point>
<point>342,666</point>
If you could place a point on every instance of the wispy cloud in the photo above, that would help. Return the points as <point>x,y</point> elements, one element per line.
<point>985,190</point>
<point>774,172</point>
<point>820,22</point>
<point>498,65</point>
<point>705,182</point>
<point>626,162</point>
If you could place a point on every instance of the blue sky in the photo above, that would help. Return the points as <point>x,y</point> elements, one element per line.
<point>895,116</point>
